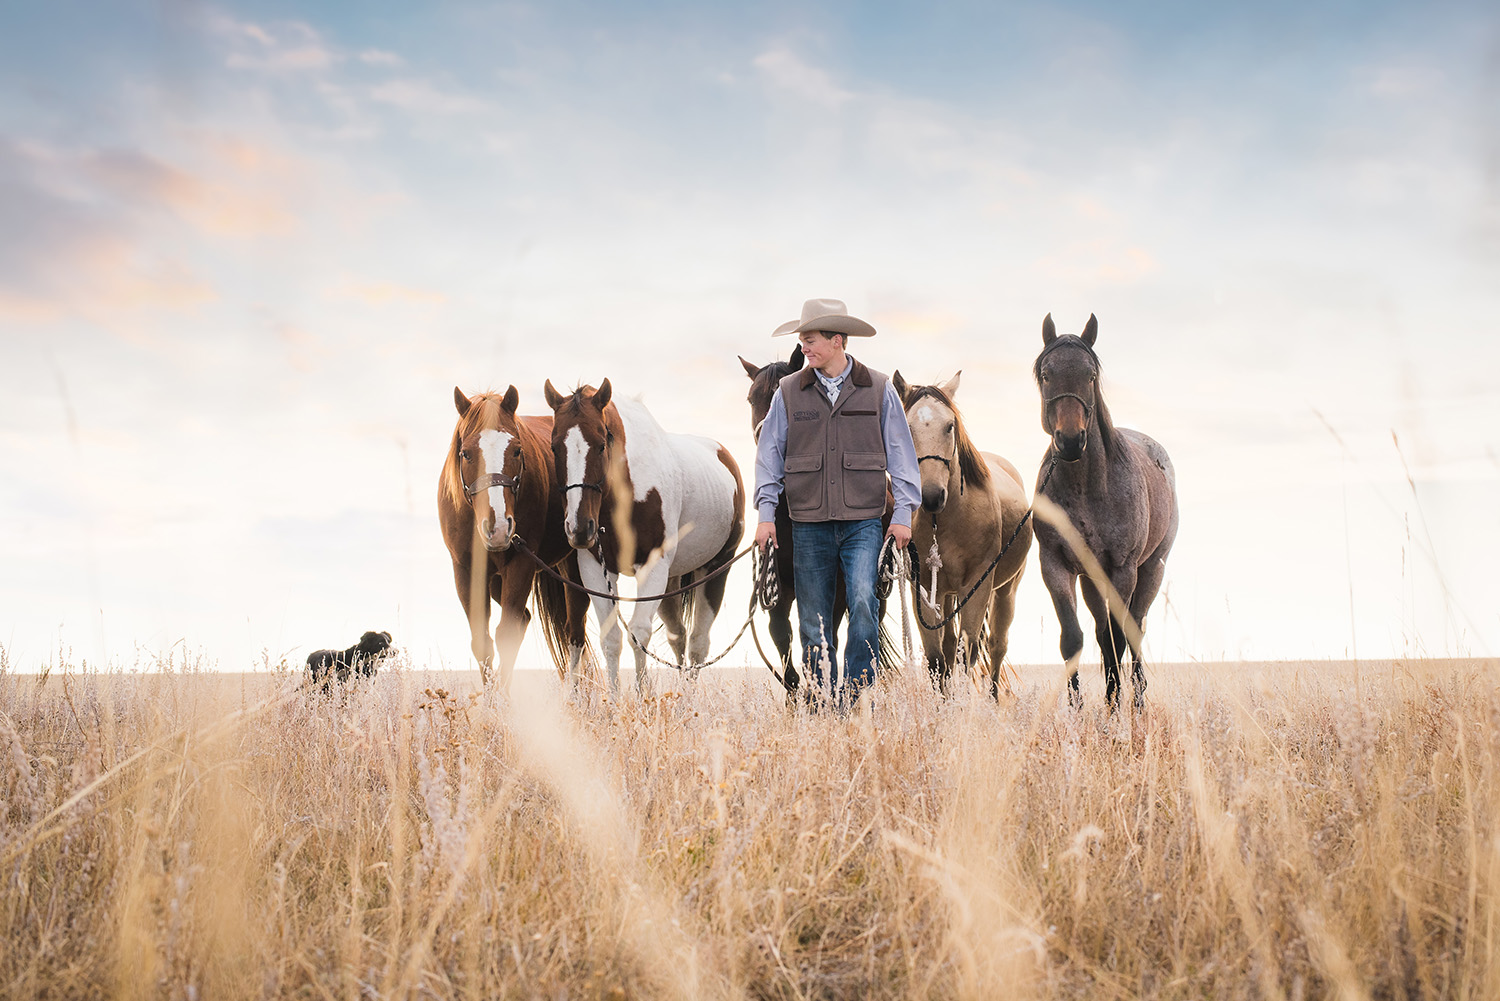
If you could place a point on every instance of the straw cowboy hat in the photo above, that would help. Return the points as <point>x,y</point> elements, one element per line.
<point>828,315</point>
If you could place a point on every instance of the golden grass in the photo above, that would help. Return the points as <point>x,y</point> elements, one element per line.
<point>1297,831</point>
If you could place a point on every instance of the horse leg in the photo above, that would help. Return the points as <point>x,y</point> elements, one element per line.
<point>596,578</point>
<point>1002,614</point>
<point>653,582</point>
<point>577,607</point>
<point>1147,582</point>
<point>707,603</point>
<point>970,625</point>
<point>510,590</point>
<point>476,604</point>
<point>1104,632</point>
<point>1059,581</point>
<point>670,611</point>
<point>932,652</point>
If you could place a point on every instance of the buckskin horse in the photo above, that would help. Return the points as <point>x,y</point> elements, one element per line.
<point>1118,488</point>
<point>982,502</point>
<point>496,487</point>
<point>664,508</point>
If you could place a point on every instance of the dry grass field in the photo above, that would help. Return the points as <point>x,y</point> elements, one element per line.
<point>1263,831</point>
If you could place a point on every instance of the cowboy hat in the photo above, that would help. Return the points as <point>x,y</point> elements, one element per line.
<point>828,315</point>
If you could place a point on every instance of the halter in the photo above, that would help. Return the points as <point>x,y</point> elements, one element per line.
<point>512,483</point>
<point>1078,342</point>
<point>597,485</point>
<point>949,464</point>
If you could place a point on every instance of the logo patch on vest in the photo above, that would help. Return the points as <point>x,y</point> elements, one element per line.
<point>805,415</point>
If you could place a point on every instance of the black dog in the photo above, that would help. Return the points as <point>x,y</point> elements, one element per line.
<point>337,665</point>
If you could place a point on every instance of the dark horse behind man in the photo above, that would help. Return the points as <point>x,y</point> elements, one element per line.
<point>1118,489</point>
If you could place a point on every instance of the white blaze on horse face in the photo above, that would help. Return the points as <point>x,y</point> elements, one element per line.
<point>492,446</point>
<point>578,453</point>
<point>924,413</point>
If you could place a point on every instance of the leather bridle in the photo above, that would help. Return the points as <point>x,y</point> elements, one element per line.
<point>511,483</point>
<point>597,485</point>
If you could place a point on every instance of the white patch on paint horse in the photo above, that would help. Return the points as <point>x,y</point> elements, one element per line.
<point>578,453</point>
<point>492,446</point>
<point>697,492</point>
<point>924,413</point>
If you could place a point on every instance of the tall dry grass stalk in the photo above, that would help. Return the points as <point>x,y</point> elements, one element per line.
<point>1292,832</point>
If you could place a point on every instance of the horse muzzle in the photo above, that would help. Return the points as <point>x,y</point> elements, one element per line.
<point>584,534</point>
<point>497,538</point>
<point>934,499</point>
<point>1069,447</point>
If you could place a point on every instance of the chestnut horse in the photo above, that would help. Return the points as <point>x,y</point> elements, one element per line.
<point>1118,488</point>
<point>496,486</point>
<point>982,504</point>
<point>656,506</point>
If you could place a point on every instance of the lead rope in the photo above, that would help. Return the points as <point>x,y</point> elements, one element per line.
<point>895,564</point>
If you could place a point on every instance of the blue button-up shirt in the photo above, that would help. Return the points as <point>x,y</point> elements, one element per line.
<point>900,453</point>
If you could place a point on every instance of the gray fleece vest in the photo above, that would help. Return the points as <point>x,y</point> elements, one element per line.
<point>835,455</point>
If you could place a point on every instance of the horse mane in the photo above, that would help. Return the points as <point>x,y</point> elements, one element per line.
<point>484,411</point>
<point>975,470</point>
<point>1101,409</point>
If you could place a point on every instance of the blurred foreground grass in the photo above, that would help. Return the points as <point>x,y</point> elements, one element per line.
<point>1294,831</point>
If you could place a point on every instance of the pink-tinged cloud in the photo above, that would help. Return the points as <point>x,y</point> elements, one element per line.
<point>221,206</point>
<point>386,293</point>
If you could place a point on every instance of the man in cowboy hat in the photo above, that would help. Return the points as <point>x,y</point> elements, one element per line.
<point>835,429</point>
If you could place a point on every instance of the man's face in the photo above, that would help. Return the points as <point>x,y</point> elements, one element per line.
<point>819,348</point>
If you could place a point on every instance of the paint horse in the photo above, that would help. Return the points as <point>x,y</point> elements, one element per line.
<point>1117,487</point>
<point>664,508</point>
<point>982,503</point>
<point>496,486</point>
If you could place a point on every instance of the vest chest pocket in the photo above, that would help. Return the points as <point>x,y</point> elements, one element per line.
<point>864,480</point>
<point>804,482</point>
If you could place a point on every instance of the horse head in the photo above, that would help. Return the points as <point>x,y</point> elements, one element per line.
<point>583,448</point>
<point>1067,373</point>
<point>763,382</point>
<point>489,463</point>
<point>938,434</point>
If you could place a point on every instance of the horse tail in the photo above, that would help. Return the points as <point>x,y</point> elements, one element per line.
<point>891,655</point>
<point>550,598</point>
<point>688,602</point>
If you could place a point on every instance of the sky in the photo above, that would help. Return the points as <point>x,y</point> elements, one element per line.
<point>248,250</point>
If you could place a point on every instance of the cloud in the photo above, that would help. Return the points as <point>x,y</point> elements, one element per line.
<point>426,98</point>
<point>377,57</point>
<point>386,293</point>
<point>786,71</point>
<point>286,48</point>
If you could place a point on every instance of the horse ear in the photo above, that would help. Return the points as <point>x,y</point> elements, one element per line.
<point>1049,330</point>
<point>751,369</point>
<point>461,402</point>
<point>510,401</point>
<point>899,384</point>
<point>950,388</point>
<point>1091,330</point>
<point>601,395</point>
<point>554,398</point>
<point>797,359</point>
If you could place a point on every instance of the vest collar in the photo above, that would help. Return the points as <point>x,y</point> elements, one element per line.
<point>858,375</point>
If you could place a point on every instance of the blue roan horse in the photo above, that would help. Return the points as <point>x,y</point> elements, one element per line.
<point>1117,487</point>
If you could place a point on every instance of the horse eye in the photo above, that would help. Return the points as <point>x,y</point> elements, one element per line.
<point>949,429</point>
<point>463,454</point>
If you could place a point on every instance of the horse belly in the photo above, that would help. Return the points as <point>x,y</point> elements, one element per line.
<point>707,513</point>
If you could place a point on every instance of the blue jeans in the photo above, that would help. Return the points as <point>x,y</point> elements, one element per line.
<point>819,549</point>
